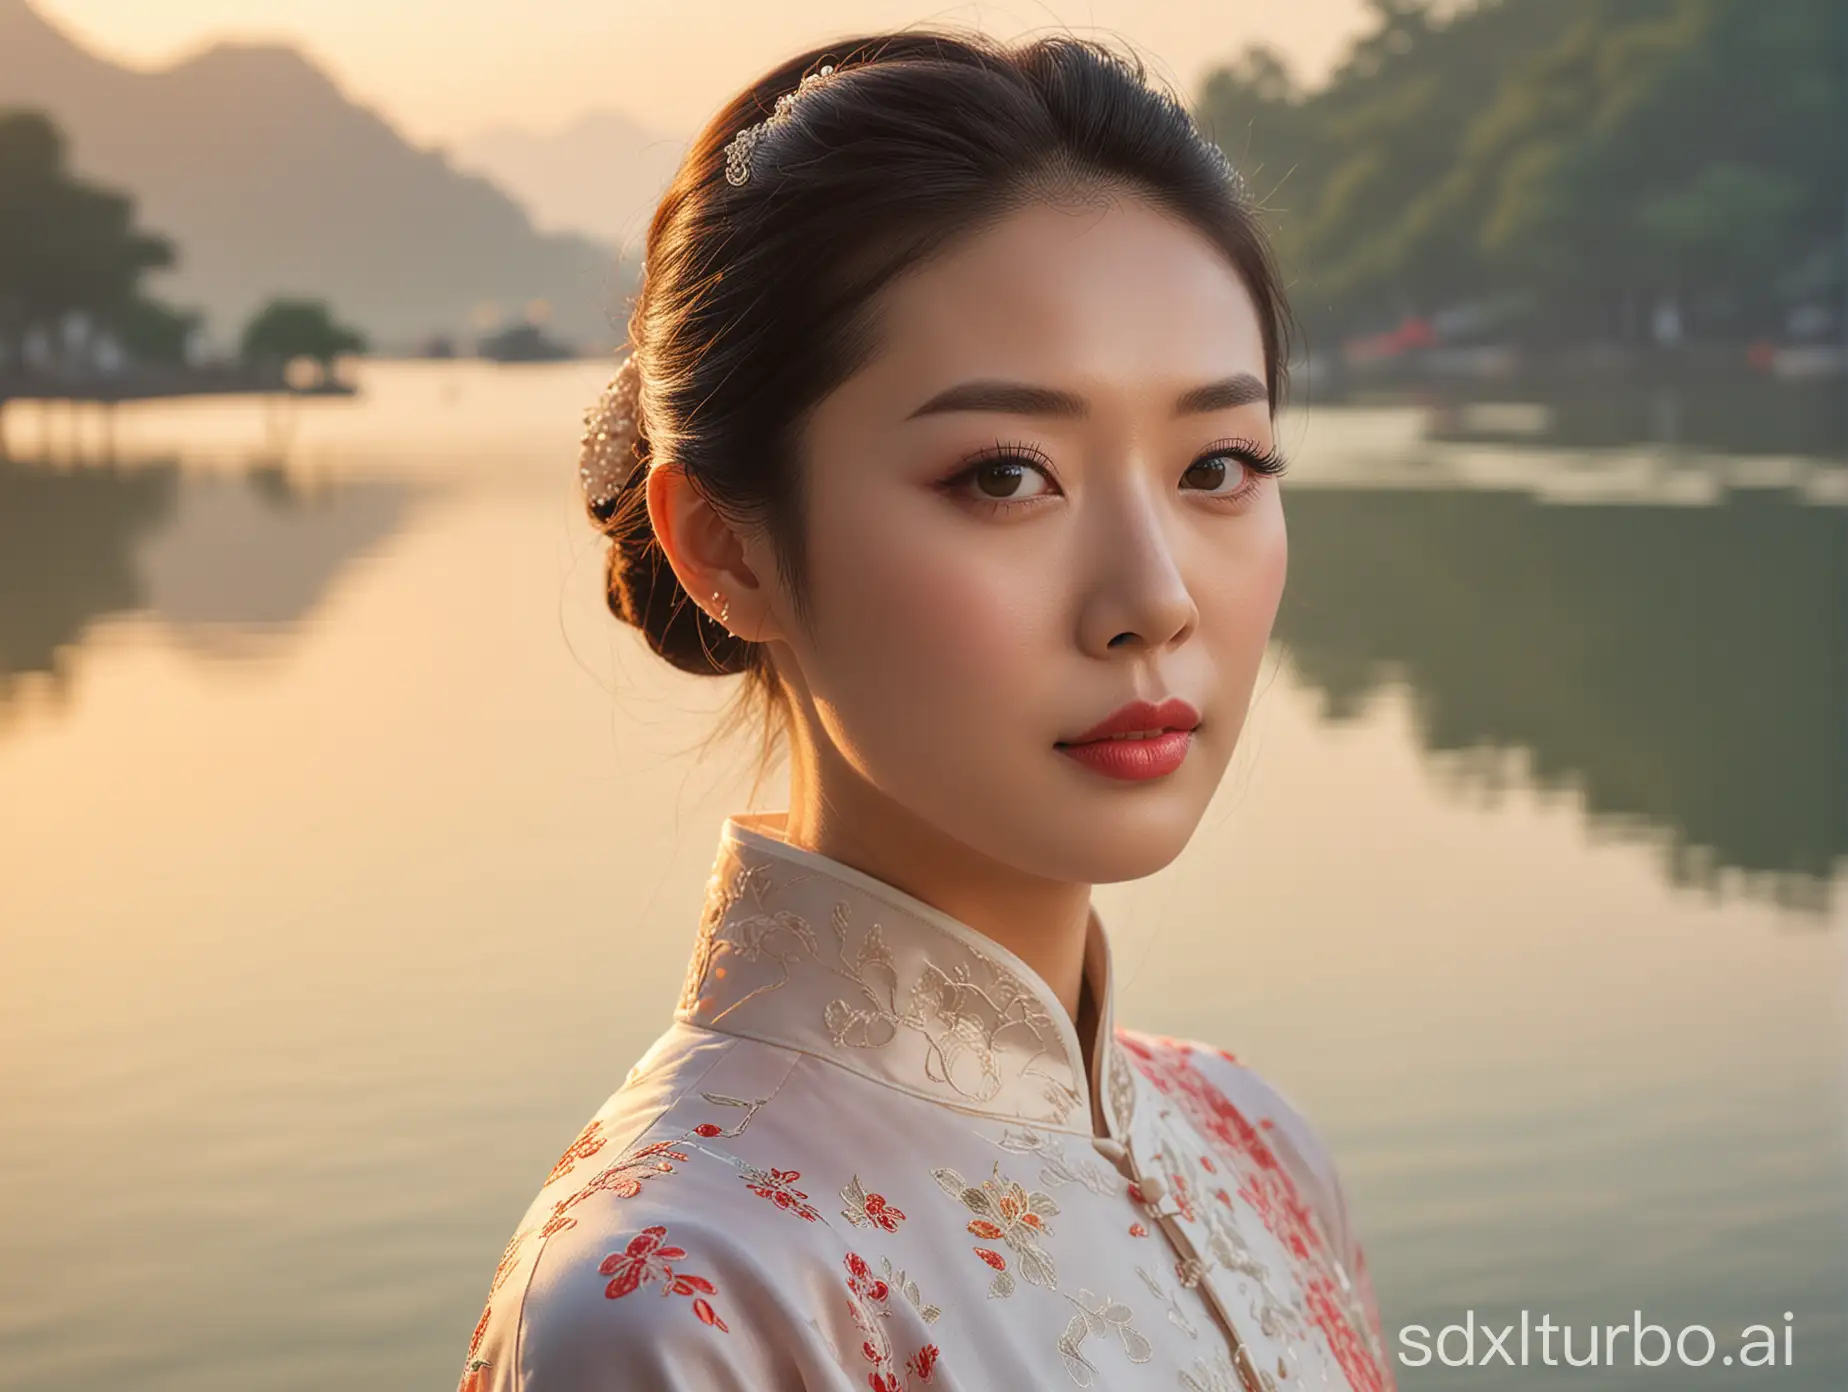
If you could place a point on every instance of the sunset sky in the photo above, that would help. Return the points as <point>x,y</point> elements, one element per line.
<point>444,69</point>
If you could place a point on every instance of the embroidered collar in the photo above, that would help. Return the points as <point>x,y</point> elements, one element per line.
<point>802,951</point>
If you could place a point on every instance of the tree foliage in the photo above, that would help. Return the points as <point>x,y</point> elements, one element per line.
<point>288,328</point>
<point>1578,158</point>
<point>68,248</point>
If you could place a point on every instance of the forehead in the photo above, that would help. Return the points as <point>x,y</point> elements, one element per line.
<point>1117,291</point>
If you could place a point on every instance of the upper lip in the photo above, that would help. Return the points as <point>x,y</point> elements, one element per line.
<point>1171,714</point>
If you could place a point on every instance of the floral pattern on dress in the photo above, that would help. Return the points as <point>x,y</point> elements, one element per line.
<point>1006,1212</point>
<point>864,1209</point>
<point>1098,1315</point>
<point>779,1186</point>
<point>868,1298</point>
<point>1057,1168</point>
<point>589,1141</point>
<point>981,1027</point>
<point>1270,1191</point>
<point>648,1260</point>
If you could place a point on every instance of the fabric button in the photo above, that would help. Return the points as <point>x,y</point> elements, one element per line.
<point>1113,1151</point>
<point>1153,1187</point>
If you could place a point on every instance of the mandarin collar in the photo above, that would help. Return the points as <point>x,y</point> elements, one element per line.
<point>798,950</point>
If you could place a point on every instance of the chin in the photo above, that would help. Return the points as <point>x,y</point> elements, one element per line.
<point>1129,843</point>
<point>1110,833</point>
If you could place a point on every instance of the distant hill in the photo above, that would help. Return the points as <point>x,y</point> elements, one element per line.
<point>271,180</point>
<point>601,175</point>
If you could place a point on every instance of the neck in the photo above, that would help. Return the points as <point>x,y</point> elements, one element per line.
<point>1040,921</point>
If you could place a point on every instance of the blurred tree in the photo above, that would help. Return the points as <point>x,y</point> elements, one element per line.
<point>153,333</point>
<point>67,249</point>
<point>1581,158</point>
<point>289,328</point>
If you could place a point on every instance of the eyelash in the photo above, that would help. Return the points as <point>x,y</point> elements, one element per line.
<point>1259,463</point>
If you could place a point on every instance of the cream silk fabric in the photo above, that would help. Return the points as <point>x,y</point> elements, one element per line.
<point>865,1155</point>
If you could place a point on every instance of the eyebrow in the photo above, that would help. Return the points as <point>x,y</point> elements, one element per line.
<point>1025,399</point>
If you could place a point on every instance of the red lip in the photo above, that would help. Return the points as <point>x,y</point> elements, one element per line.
<point>1172,714</point>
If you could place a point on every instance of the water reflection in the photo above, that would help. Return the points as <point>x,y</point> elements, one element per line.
<point>221,561</point>
<point>1742,413</point>
<point>1683,667</point>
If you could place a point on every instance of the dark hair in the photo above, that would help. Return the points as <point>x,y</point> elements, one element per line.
<point>757,300</point>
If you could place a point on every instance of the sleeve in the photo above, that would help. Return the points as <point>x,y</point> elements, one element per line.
<point>682,1306</point>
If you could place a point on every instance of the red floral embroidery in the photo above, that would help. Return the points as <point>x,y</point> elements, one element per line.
<point>920,1364</point>
<point>509,1258</point>
<point>1350,1352</point>
<point>992,1257</point>
<point>884,1214</point>
<point>1183,1197</point>
<point>861,1208</point>
<point>1008,1212</point>
<point>779,1187</point>
<point>1137,1230</point>
<point>708,1130</point>
<point>1269,1189</point>
<point>588,1143</point>
<point>647,1260</point>
<point>866,1301</point>
<point>862,1282</point>
<point>624,1178</point>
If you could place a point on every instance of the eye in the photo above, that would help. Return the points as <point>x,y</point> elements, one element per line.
<point>1009,475</point>
<point>1240,463</point>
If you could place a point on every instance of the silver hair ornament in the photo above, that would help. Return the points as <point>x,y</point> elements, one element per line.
<point>610,433</point>
<point>743,146</point>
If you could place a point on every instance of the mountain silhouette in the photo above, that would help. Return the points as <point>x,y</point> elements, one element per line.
<point>271,180</point>
<point>600,175</point>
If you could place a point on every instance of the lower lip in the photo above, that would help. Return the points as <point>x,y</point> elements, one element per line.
<point>1132,759</point>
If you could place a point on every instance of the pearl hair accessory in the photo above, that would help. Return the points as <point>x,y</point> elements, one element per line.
<point>743,146</point>
<point>608,456</point>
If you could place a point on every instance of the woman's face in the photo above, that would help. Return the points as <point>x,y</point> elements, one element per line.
<point>973,609</point>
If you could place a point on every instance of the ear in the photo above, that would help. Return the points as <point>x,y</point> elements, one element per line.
<point>708,554</point>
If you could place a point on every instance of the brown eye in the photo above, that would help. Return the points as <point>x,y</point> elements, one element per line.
<point>1207,474</point>
<point>1000,478</point>
<point>1004,478</point>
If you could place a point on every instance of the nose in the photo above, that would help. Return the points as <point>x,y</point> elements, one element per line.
<point>1136,596</point>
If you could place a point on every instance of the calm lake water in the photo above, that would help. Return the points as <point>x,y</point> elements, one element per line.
<point>349,854</point>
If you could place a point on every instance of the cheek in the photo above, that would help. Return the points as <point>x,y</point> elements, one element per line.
<point>936,609</point>
<point>1238,602</point>
<point>920,628</point>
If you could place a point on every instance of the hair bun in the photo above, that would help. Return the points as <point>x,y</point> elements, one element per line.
<point>644,592</point>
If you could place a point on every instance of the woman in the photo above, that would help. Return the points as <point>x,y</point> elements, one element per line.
<point>949,426</point>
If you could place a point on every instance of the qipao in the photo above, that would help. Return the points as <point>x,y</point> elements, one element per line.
<point>865,1155</point>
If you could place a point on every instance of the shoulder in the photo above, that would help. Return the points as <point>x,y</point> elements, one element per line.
<point>1246,1112</point>
<point>664,1298</point>
<point>658,1256</point>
